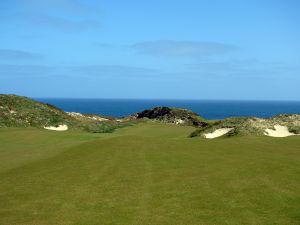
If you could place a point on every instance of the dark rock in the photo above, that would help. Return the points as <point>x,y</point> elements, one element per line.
<point>173,115</point>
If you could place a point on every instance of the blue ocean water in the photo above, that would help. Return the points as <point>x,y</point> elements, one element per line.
<point>205,108</point>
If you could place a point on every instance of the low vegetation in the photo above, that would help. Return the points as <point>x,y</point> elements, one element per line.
<point>18,111</point>
<point>245,126</point>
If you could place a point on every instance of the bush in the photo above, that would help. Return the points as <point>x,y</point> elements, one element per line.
<point>294,129</point>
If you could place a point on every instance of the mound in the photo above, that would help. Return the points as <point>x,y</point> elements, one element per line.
<point>254,126</point>
<point>18,111</point>
<point>173,115</point>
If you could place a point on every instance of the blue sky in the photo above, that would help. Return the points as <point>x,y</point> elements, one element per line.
<point>193,49</point>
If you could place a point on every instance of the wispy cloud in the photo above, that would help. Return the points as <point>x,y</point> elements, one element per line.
<point>14,70</point>
<point>243,69</point>
<point>60,23</point>
<point>87,71</point>
<point>189,49</point>
<point>225,66</point>
<point>112,71</point>
<point>67,6</point>
<point>63,15</point>
<point>11,54</point>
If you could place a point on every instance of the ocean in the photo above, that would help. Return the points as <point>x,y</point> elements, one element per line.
<point>209,109</point>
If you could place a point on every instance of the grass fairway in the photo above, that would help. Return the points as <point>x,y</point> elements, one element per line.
<point>147,174</point>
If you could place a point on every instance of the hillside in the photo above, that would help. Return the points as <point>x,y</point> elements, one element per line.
<point>19,111</point>
<point>251,125</point>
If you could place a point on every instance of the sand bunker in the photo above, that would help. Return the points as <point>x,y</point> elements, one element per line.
<point>279,131</point>
<point>59,128</point>
<point>218,133</point>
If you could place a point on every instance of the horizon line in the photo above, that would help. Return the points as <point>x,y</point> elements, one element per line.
<point>169,99</point>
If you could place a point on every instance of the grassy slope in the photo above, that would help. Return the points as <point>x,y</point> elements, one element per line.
<point>18,111</point>
<point>147,174</point>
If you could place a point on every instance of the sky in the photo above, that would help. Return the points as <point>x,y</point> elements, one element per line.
<point>171,49</point>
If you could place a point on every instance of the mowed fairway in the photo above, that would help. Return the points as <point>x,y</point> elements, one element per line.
<point>147,174</point>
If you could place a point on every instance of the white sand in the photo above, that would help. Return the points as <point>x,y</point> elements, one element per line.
<point>280,131</point>
<point>179,121</point>
<point>98,118</point>
<point>76,114</point>
<point>218,133</point>
<point>59,128</point>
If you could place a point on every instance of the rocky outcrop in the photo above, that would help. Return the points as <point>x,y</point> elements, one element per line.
<point>173,115</point>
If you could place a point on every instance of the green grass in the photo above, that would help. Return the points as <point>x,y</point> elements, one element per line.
<point>149,173</point>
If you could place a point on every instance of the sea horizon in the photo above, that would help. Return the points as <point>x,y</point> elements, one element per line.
<point>209,109</point>
<point>169,99</point>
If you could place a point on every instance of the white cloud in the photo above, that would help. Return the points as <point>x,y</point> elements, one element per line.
<point>11,54</point>
<point>59,23</point>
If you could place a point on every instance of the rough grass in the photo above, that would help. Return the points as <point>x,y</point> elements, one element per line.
<point>149,173</point>
<point>246,126</point>
<point>17,111</point>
